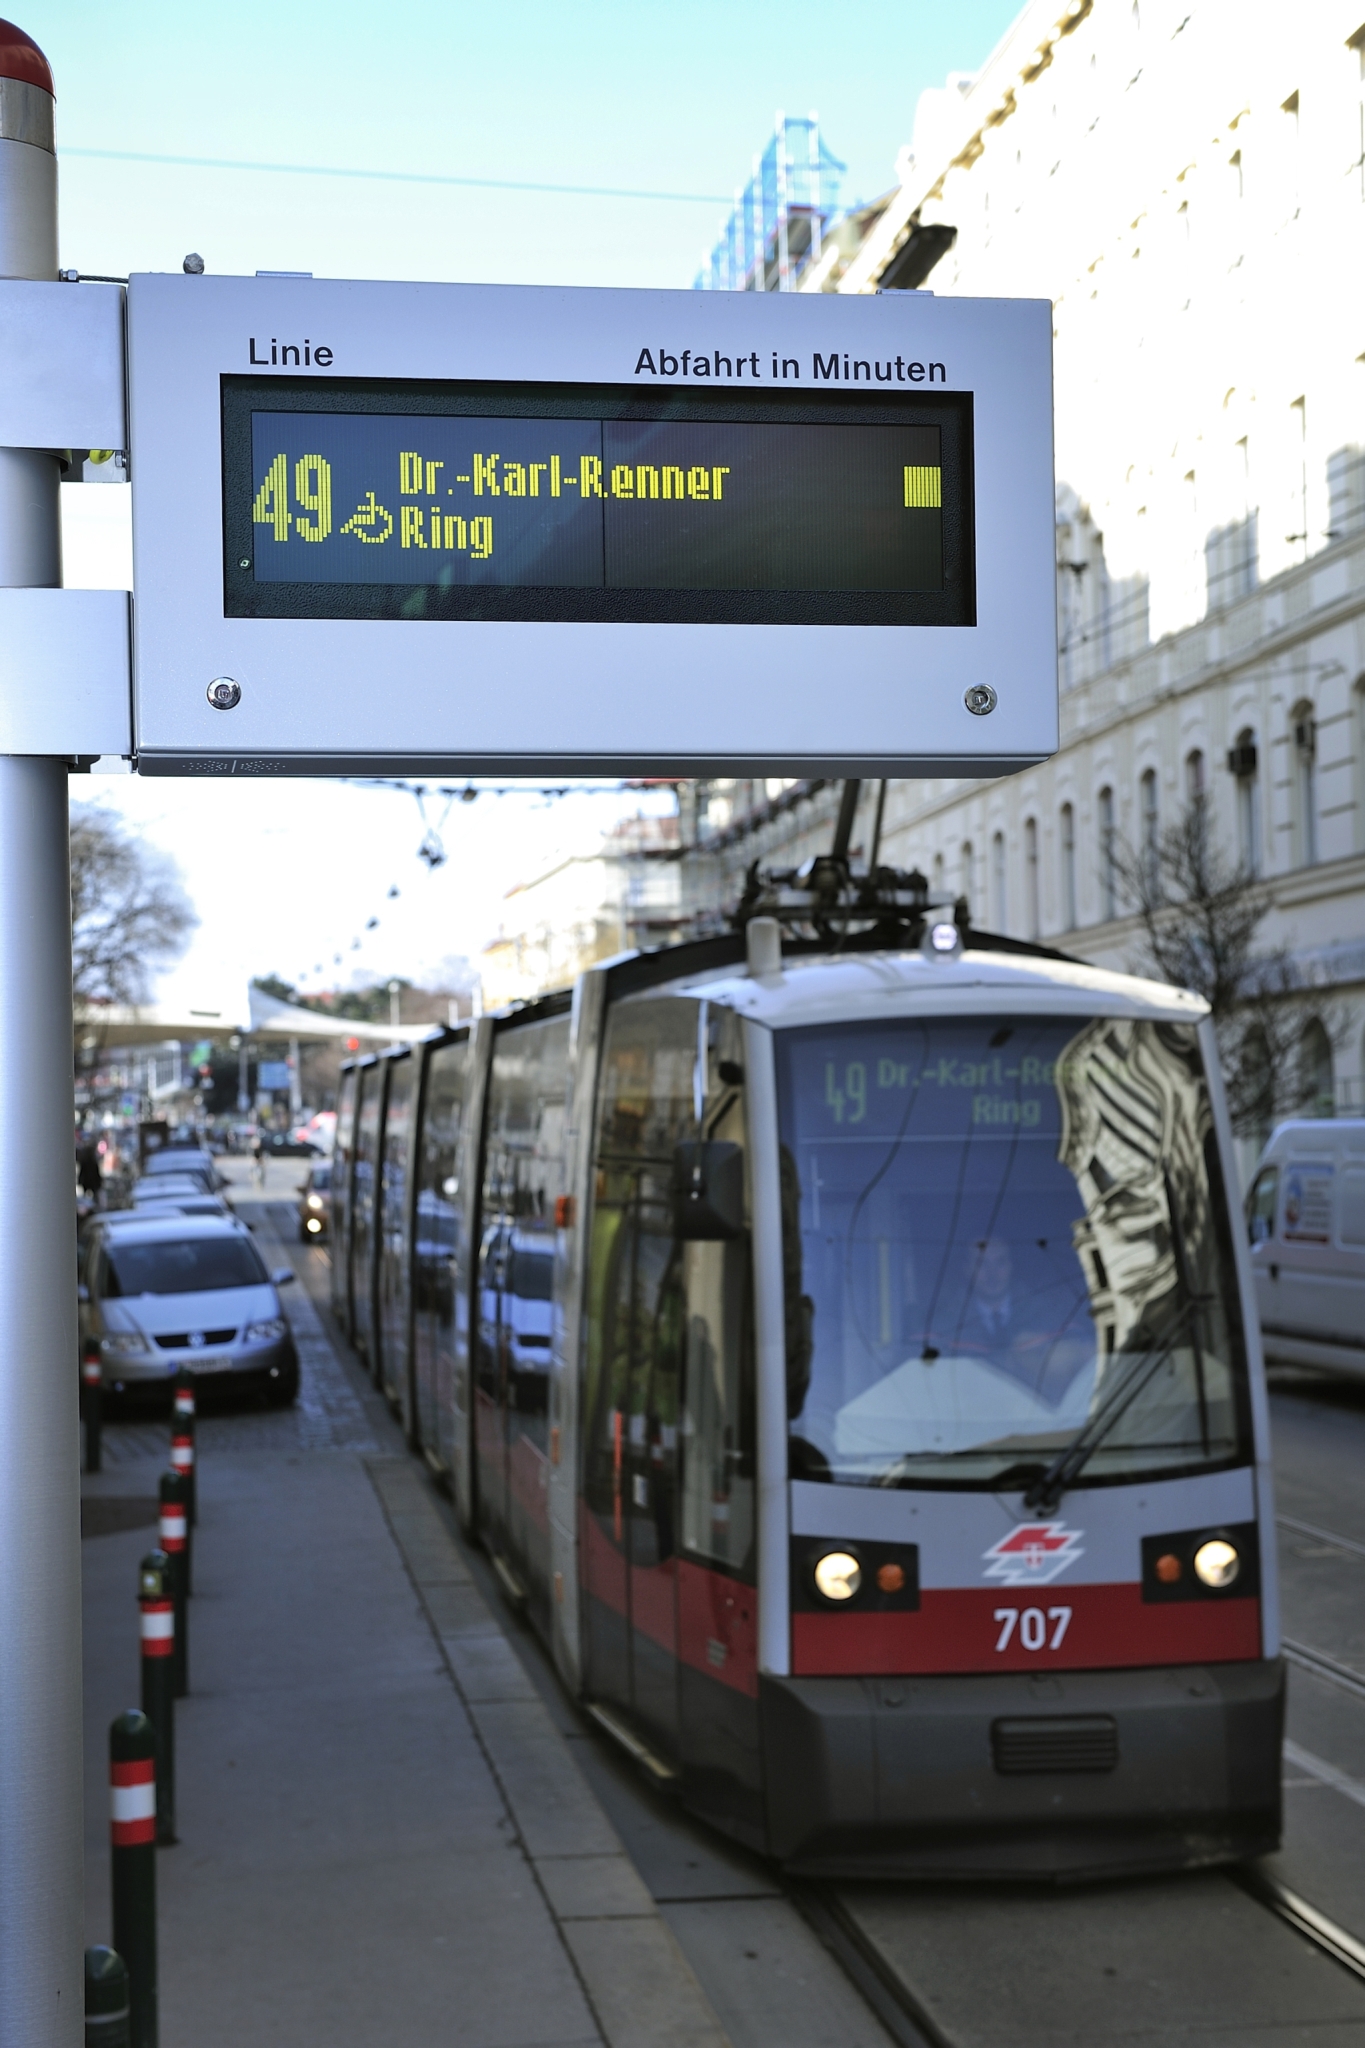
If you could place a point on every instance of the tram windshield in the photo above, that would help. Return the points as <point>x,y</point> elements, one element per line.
<point>1000,1233</point>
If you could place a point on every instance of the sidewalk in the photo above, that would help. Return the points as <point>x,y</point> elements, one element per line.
<point>384,1836</point>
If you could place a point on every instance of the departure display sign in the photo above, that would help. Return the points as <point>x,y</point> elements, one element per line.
<point>416,530</point>
<point>475,507</point>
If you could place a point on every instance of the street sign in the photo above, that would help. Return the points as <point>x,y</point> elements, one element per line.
<point>409,527</point>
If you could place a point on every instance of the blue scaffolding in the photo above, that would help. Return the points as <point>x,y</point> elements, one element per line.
<point>778,225</point>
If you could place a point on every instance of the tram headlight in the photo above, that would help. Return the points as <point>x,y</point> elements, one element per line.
<point>1216,1562</point>
<point>838,1575</point>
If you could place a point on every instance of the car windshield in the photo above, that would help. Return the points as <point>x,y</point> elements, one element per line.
<point>194,1265</point>
<point>174,1161</point>
<point>998,1231</point>
<point>320,1177</point>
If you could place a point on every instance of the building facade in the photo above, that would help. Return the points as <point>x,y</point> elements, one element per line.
<point>1185,180</point>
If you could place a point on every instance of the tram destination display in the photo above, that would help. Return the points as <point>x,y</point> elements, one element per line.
<point>412,528</point>
<point>817,511</point>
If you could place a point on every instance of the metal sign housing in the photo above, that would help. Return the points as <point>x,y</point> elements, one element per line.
<point>522,529</point>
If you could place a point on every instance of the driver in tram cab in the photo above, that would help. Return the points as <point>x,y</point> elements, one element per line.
<point>997,1324</point>
<point>990,1320</point>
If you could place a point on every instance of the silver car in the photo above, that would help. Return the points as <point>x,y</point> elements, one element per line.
<point>166,1291</point>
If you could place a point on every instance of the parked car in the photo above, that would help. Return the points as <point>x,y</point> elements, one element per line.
<point>166,1291</point>
<point>160,1188</point>
<point>1306,1220</point>
<point>184,1159</point>
<point>288,1145</point>
<point>315,1204</point>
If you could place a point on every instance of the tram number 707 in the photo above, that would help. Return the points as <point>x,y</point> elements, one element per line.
<point>1033,1625</point>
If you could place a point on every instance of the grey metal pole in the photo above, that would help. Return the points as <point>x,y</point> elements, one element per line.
<point>41,1937</point>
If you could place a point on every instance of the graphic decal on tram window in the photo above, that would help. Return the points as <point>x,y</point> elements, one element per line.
<point>1033,1554</point>
<point>461,501</point>
<point>1002,1258</point>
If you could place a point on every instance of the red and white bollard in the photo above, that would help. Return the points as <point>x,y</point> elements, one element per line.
<point>132,1802</point>
<point>183,1456</point>
<point>132,1832</point>
<point>92,1401</point>
<point>175,1541</point>
<point>156,1603</point>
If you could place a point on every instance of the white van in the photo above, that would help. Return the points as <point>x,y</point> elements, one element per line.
<point>1306,1216</point>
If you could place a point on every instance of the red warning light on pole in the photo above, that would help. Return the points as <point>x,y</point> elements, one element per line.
<point>21,58</point>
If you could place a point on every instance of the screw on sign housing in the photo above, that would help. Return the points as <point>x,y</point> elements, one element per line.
<point>980,699</point>
<point>224,694</point>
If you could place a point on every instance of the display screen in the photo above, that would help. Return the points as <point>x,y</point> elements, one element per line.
<point>809,512</point>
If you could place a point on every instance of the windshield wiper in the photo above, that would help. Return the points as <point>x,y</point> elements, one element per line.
<point>1068,1465</point>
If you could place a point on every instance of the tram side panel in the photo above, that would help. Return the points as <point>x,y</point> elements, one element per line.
<point>392,1294</point>
<point>343,1164</point>
<point>573,1216</point>
<point>667,1524</point>
<point>440,1308</point>
<point>364,1205</point>
<point>470,1176</point>
<point>523,1176</point>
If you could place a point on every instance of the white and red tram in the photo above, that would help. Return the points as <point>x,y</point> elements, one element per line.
<point>846,1349</point>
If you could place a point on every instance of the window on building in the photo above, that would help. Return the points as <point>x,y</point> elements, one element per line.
<point>1196,782</point>
<point>968,881</point>
<point>999,905</point>
<point>1107,852</point>
<point>1290,138</point>
<point>1151,826</point>
<point>1317,1089</point>
<point>1244,765</point>
<point>1066,843</point>
<point>1304,735</point>
<point>1358,750</point>
<point>1357,43</point>
<point>938,874</point>
<point>1032,908</point>
<point>1298,477</point>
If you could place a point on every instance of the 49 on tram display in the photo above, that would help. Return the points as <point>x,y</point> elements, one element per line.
<point>840,1337</point>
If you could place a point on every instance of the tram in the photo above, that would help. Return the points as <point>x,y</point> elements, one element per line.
<point>841,1337</point>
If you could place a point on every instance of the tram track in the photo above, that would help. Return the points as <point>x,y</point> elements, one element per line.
<point>1298,1528</point>
<point>904,2010</point>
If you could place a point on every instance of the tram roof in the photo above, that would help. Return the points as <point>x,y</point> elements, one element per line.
<point>822,987</point>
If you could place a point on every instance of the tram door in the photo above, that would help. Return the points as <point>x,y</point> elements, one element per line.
<point>514,1289</point>
<point>635,1342</point>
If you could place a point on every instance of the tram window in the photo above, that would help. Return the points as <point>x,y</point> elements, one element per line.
<point>1007,1229</point>
<point>436,1297</point>
<point>1261,1207</point>
<point>669,1335</point>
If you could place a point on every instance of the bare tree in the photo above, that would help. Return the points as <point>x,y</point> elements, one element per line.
<point>129,912</point>
<point>1201,917</point>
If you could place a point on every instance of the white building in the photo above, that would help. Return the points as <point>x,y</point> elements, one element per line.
<point>1185,180</point>
<point>584,908</point>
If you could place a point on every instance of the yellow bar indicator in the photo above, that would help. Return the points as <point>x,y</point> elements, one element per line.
<point>923,487</point>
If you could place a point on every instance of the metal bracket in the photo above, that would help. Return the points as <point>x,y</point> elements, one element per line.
<point>65,672</point>
<point>63,354</point>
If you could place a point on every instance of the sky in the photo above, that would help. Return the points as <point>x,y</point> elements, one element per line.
<point>639,99</point>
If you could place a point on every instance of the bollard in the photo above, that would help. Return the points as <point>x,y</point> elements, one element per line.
<point>132,1866</point>
<point>156,1600</point>
<point>106,1999</point>
<point>92,1402</point>
<point>184,1455</point>
<point>175,1541</point>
